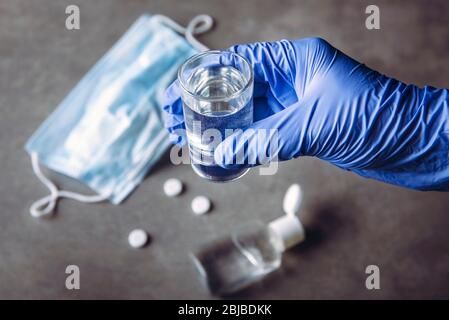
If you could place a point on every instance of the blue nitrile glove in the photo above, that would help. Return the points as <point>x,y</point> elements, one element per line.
<point>327,105</point>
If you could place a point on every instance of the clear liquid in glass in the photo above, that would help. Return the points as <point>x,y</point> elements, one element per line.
<point>220,109</point>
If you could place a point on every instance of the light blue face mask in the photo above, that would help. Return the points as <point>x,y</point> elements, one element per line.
<point>108,132</point>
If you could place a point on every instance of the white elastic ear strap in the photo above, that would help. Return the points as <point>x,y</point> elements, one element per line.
<point>46,205</point>
<point>199,24</point>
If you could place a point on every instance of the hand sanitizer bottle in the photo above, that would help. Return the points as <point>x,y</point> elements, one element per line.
<point>251,252</point>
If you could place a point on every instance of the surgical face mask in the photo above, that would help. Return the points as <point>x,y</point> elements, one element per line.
<point>108,132</point>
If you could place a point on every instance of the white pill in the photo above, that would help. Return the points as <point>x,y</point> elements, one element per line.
<point>138,238</point>
<point>201,205</point>
<point>172,187</point>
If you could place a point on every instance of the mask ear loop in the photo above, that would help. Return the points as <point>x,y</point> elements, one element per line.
<point>198,25</point>
<point>47,204</point>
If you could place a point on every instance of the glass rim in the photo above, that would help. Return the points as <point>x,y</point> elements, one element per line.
<point>208,52</point>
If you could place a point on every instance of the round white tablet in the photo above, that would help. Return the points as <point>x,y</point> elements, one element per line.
<point>201,205</point>
<point>172,187</point>
<point>138,238</point>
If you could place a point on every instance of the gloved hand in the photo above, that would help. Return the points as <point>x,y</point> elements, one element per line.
<point>327,105</point>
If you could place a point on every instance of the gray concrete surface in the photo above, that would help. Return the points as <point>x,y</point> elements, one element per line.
<point>352,222</point>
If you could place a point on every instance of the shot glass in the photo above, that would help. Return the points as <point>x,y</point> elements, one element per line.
<point>217,96</point>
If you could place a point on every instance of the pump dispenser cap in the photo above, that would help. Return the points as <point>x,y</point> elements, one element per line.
<point>288,227</point>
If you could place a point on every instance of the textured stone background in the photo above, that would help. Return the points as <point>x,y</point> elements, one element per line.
<point>352,222</point>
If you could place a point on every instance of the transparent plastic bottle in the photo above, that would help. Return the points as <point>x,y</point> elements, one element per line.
<point>250,253</point>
